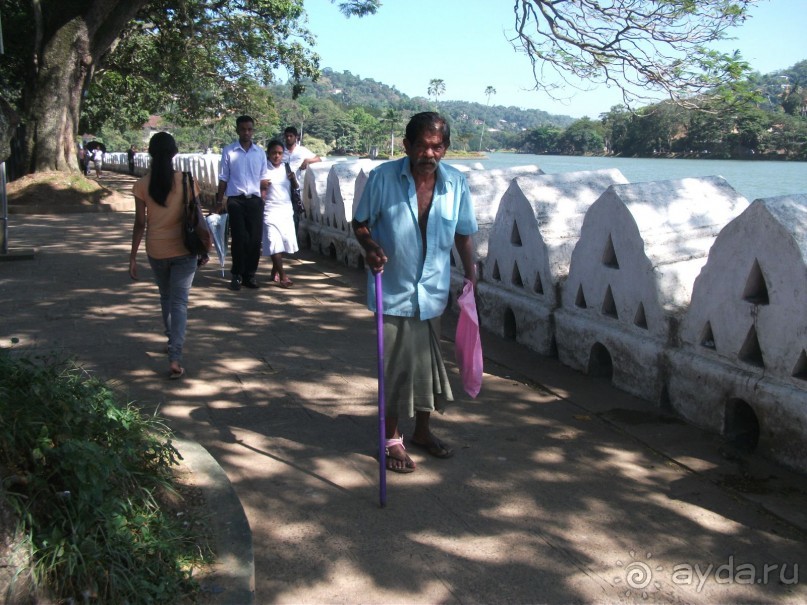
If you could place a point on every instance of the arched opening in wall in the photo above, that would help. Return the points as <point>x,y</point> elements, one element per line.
<point>553,347</point>
<point>332,251</point>
<point>741,426</point>
<point>510,329</point>
<point>600,364</point>
<point>306,241</point>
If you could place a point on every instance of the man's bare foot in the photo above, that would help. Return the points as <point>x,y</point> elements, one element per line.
<point>432,445</point>
<point>398,461</point>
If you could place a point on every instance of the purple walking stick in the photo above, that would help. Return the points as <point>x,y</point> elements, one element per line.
<point>382,429</point>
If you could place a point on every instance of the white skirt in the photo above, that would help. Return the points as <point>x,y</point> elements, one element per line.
<point>278,229</point>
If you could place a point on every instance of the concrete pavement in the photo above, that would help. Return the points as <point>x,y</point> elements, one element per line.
<point>562,489</point>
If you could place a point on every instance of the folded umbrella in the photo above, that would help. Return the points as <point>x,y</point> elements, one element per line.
<point>218,227</point>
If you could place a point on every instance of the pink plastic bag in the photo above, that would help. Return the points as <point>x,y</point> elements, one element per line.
<point>468,345</point>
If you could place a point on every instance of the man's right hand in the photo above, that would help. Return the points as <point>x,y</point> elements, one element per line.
<point>376,259</point>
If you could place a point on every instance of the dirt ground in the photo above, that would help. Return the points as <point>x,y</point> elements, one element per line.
<point>66,191</point>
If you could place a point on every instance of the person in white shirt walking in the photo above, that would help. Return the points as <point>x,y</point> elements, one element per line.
<point>298,156</point>
<point>244,178</point>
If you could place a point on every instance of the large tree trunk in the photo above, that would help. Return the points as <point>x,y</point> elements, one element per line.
<point>71,37</point>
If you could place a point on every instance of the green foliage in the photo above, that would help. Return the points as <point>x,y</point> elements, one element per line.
<point>196,60</point>
<point>642,47</point>
<point>82,473</point>
<point>584,136</point>
<point>315,145</point>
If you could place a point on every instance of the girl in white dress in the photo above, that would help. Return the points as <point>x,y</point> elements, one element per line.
<point>278,215</point>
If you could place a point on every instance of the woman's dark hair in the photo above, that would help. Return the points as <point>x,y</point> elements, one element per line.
<point>162,149</point>
<point>274,143</point>
<point>428,121</point>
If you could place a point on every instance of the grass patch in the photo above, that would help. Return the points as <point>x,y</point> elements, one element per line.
<point>85,477</point>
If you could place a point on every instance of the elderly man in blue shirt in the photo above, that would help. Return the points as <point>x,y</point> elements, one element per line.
<point>244,178</point>
<point>412,211</point>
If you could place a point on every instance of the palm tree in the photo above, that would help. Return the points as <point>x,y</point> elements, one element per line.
<point>392,117</point>
<point>488,92</point>
<point>436,88</point>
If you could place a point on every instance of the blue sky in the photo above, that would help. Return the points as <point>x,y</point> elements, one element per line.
<point>464,43</point>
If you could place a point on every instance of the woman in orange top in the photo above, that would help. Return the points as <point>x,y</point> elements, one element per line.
<point>159,210</point>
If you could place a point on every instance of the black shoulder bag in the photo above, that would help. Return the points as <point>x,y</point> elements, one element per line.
<point>296,198</point>
<point>195,232</point>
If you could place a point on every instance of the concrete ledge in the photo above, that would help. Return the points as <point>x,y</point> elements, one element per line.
<point>233,578</point>
<point>18,254</point>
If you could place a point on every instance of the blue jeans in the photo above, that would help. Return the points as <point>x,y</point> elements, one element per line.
<point>174,277</point>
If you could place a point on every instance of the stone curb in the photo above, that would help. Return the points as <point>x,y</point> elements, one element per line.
<point>233,578</point>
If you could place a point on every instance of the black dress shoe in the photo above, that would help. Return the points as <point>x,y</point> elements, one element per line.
<point>235,282</point>
<point>251,282</point>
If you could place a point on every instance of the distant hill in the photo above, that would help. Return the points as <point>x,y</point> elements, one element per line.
<point>352,90</point>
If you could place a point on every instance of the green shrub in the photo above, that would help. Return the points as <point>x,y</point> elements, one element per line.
<point>84,473</point>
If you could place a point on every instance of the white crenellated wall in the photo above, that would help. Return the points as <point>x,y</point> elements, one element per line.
<point>640,248</point>
<point>743,338</point>
<point>529,250</point>
<point>337,211</point>
<point>679,291</point>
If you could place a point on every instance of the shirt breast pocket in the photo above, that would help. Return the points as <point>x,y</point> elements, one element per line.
<point>445,236</point>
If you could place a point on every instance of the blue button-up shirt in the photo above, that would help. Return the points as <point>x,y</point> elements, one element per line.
<point>243,170</point>
<point>415,282</point>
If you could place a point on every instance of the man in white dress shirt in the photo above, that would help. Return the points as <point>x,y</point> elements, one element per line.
<point>244,178</point>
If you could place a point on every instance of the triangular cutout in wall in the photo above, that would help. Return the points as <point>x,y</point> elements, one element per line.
<point>539,284</point>
<point>516,279</point>
<point>609,258</point>
<point>608,304</point>
<point>756,291</point>
<point>580,300</point>
<point>496,273</point>
<point>707,337</point>
<point>640,319</point>
<point>515,236</point>
<point>751,352</point>
<point>800,370</point>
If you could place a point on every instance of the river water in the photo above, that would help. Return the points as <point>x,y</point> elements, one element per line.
<point>751,179</point>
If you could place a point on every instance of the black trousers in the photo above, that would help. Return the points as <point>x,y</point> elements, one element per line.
<point>246,230</point>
